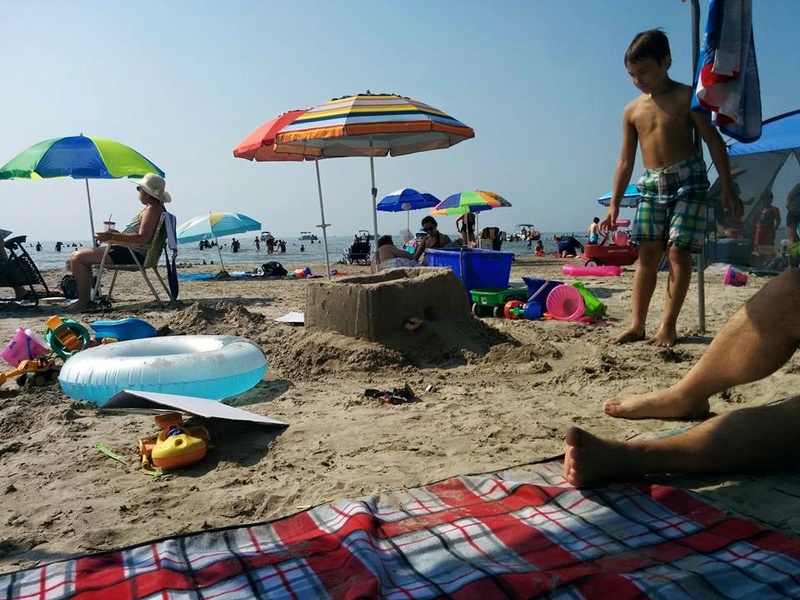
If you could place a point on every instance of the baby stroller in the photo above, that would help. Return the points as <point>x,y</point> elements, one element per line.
<point>20,271</point>
<point>359,252</point>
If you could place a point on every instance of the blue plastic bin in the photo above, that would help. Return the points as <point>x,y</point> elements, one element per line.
<point>474,267</point>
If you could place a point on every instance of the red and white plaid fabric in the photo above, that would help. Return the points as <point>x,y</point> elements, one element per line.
<point>500,535</point>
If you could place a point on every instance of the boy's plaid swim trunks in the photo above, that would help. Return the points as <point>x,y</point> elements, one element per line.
<point>673,208</point>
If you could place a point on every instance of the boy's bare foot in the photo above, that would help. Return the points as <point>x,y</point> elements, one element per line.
<point>661,404</point>
<point>629,335</point>
<point>665,337</point>
<point>589,459</point>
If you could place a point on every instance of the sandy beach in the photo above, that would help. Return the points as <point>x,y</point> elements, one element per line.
<point>505,401</point>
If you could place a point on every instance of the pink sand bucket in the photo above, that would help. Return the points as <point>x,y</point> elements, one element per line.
<point>565,303</point>
<point>735,277</point>
<point>25,345</point>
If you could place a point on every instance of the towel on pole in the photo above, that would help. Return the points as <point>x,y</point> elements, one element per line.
<point>727,83</point>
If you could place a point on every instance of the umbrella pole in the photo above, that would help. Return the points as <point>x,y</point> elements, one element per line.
<point>374,200</point>
<point>221,264</point>
<point>324,225</point>
<point>91,216</point>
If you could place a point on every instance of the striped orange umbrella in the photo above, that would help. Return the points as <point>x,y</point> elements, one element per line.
<point>371,125</point>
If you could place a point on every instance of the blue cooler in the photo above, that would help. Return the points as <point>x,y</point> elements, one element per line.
<point>475,268</point>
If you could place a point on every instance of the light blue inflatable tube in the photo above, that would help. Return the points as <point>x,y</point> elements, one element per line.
<point>204,366</point>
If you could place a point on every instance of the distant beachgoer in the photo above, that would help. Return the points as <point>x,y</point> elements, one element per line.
<point>539,249</point>
<point>594,231</point>
<point>257,243</point>
<point>793,213</point>
<point>390,256</point>
<point>235,245</point>
<point>672,213</point>
<point>58,246</point>
<point>302,248</point>
<point>465,225</point>
<point>768,222</point>
<point>568,246</point>
<point>38,246</point>
<point>433,239</point>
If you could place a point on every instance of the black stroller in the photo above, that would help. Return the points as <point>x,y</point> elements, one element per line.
<point>359,252</point>
<point>20,271</point>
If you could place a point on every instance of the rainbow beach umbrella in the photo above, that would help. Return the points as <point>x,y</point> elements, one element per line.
<point>371,125</point>
<point>465,202</point>
<point>78,157</point>
<point>214,225</point>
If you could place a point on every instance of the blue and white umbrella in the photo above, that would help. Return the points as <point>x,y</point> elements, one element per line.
<point>214,225</point>
<point>630,199</point>
<point>407,199</point>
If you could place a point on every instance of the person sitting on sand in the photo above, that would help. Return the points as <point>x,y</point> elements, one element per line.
<point>390,256</point>
<point>755,342</point>
<point>539,249</point>
<point>153,195</point>
<point>433,238</point>
<point>593,235</point>
<point>568,246</point>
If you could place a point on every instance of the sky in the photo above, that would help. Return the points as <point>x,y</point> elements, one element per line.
<point>542,83</point>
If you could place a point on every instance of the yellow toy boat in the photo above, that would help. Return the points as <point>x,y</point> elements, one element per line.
<point>176,446</point>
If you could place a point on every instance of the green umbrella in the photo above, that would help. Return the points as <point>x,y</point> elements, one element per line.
<point>79,157</point>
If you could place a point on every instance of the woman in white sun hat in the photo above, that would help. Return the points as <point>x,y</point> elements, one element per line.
<point>153,195</point>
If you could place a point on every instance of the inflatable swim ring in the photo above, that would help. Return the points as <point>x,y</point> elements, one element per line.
<point>204,366</point>
<point>597,271</point>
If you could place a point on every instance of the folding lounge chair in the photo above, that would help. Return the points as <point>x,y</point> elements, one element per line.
<point>20,271</point>
<point>161,240</point>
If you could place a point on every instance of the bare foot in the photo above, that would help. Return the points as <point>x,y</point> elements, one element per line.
<point>666,337</point>
<point>661,404</point>
<point>589,459</point>
<point>631,334</point>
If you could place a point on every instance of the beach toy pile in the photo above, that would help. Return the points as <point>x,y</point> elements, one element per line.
<point>560,301</point>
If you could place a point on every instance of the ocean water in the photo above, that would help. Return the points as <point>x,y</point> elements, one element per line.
<point>247,257</point>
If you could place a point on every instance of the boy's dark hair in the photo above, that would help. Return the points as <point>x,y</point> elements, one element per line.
<point>385,240</point>
<point>652,43</point>
<point>429,219</point>
<point>596,220</point>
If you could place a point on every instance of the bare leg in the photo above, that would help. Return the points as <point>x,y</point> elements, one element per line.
<point>680,263</point>
<point>81,262</point>
<point>755,342</point>
<point>750,440</point>
<point>644,283</point>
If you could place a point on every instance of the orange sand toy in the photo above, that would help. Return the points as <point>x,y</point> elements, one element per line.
<point>176,446</point>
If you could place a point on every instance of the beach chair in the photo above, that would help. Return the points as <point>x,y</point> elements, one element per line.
<point>20,271</point>
<point>152,252</point>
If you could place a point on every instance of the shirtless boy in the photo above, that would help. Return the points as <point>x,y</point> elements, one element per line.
<point>672,214</point>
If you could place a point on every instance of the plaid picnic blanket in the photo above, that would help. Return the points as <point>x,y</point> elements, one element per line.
<point>499,535</point>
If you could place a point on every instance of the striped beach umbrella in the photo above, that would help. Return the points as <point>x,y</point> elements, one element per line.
<point>215,225</point>
<point>371,125</point>
<point>79,157</point>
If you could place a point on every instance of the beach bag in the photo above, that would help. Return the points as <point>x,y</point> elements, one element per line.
<point>69,288</point>
<point>273,269</point>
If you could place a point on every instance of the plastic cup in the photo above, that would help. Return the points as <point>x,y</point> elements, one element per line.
<point>25,345</point>
<point>565,303</point>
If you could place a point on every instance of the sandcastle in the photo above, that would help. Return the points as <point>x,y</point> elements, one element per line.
<point>376,306</point>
